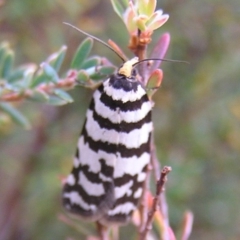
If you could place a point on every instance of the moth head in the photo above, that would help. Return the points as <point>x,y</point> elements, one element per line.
<point>127,67</point>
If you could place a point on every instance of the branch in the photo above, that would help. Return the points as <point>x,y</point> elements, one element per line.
<point>47,88</point>
<point>102,231</point>
<point>160,188</point>
<point>163,202</point>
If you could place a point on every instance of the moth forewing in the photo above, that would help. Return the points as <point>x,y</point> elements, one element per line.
<point>113,151</point>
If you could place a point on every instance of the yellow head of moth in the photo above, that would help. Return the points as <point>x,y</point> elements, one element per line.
<point>127,67</point>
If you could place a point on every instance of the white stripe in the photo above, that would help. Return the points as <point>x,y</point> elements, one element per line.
<point>75,198</point>
<point>76,162</point>
<point>71,180</point>
<point>90,158</point>
<point>104,178</point>
<point>141,177</point>
<point>138,193</point>
<point>124,96</point>
<point>133,139</point>
<point>132,166</point>
<point>124,189</point>
<point>118,116</point>
<point>93,189</point>
<point>123,208</point>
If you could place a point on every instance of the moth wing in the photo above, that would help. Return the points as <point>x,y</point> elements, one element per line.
<point>89,189</point>
<point>133,157</point>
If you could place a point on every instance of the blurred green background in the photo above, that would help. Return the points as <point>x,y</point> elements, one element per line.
<point>196,115</point>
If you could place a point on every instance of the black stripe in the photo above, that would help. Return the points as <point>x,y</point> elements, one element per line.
<point>118,104</point>
<point>77,153</point>
<point>103,203</point>
<point>119,218</point>
<point>85,196</point>
<point>113,148</point>
<point>119,127</point>
<point>106,170</point>
<point>126,199</point>
<point>120,181</point>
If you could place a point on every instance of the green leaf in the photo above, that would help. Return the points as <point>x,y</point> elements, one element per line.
<point>19,73</point>
<point>50,72</point>
<point>154,82</point>
<point>91,62</point>
<point>147,7</point>
<point>63,95</point>
<point>56,59</point>
<point>28,76</point>
<point>82,53</point>
<point>39,79</point>
<point>125,3</point>
<point>107,70</point>
<point>117,7</point>
<point>4,48</point>
<point>83,76</point>
<point>56,101</point>
<point>7,64</point>
<point>38,96</point>
<point>97,76</point>
<point>15,115</point>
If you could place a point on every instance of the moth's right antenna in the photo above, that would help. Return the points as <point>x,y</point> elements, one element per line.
<point>95,38</point>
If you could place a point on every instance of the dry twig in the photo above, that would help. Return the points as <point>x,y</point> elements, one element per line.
<point>102,231</point>
<point>160,188</point>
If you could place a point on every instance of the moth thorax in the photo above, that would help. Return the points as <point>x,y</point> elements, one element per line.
<point>127,67</point>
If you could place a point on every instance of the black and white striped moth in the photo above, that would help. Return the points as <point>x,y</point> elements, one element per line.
<point>113,151</point>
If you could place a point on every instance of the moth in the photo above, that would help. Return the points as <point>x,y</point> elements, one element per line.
<point>113,151</point>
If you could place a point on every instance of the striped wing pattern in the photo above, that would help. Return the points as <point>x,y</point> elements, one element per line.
<point>112,154</point>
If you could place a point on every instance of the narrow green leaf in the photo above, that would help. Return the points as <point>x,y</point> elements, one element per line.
<point>107,70</point>
<point>56,101</point>
<point>3,48</point>
<point>39,79</point>
<point>56,59</point>
<point>28,76</point>
<point>15,115</point>
<point>18,73</point>
<point>154,82</point>
<point>125,3</point>
<point>117,7</point>
<point>97,76</point>
<point>147,7</point>
<point>82,53</point>
<point>63,95</point>
<point>91,62</point>
<point>50,72</point>
<point>38,96</point>
<point>7,64</point>
<point>82,76</point>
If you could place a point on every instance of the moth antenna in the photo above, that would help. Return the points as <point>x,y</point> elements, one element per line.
<point>95,38</point>
<point>160,59</point>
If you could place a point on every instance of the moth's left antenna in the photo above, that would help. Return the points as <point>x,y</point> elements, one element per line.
<point>95,38</point>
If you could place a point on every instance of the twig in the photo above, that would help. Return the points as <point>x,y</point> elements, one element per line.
<point>160,188</point>
<point>163,202</point>
<point>102,231</point>
<point>68,82</point>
